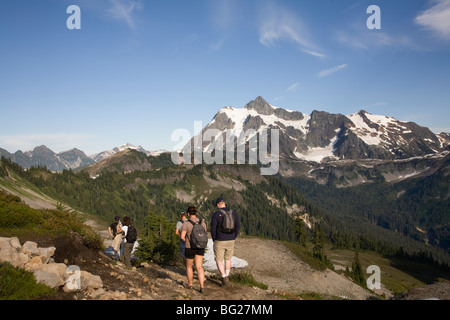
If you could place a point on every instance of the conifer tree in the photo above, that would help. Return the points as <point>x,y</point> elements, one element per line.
<point>300,232</point>
<point>357,272</point>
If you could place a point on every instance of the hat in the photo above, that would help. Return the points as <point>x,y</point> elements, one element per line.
<point>182,213</point>
<point>116,218</point>
<point>219,200</point>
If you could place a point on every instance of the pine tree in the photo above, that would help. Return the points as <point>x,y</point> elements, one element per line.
<point>300,232</point>
<point>159,242</point>
<point>357,273</point>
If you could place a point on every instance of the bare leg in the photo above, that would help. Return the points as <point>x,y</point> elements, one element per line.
<point>227,267</point>
<point>220,267</point>
<point>200,271</point>
<point>190,271</point>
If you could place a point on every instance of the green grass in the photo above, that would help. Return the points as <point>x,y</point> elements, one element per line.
<point>18,219</point>
<point>18,284</point>
<point>246,278</point>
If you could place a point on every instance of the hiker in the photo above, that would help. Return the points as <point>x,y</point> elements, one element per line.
<point>178,233</point>
<point>112,229</point>
<point>193,254</point>
<point>129,238</point>
<point>224,232</point>
<point>117,242</point>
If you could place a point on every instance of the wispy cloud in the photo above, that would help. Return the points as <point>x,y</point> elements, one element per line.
<point>365,40</point>
<point>328,72</point>
<point>124,10</point>
<point>373,105</point>
<point>278,24</point>
<point>293,87</point>
<point>436,19</point>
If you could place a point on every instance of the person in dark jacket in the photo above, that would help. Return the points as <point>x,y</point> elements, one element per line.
<point>223,241</point>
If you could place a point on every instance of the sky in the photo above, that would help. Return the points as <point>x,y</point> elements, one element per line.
<point>137,70</point>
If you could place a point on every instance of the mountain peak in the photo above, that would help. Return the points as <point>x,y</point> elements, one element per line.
<point>261,106</point>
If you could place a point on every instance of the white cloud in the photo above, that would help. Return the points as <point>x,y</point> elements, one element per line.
<point>277,24</point>
<point>328,72</point>
<point>292,87</point>
<point>123,10</point>
<point>437,18</point>
<point>367,40</point>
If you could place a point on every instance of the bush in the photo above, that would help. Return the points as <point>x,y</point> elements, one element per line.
<point>18,284</point>
<point>17,218</point>
<point>246,278</point>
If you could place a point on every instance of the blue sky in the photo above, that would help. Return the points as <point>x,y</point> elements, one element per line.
<point>138,70</point>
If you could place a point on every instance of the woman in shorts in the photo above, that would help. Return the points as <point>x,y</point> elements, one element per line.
<point>193,255</point>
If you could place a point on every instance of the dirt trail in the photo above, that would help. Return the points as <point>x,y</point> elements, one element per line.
<point>275,265</point>
<point>270,262</point>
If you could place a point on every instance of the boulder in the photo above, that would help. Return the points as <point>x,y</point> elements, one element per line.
<point>10,251</point>
<point>53,275</point>
<point>30,248</point>
<point>39,261</point>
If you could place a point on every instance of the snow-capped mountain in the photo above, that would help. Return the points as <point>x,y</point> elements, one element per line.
<point>322,136</point>
<point>108,153</point>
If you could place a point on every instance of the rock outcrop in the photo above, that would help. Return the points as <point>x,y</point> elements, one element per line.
<point>40,262</point>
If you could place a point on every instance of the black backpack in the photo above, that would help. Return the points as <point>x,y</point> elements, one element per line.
<point>227,223</point>
<point>199,236</point>
<point>131,234</point>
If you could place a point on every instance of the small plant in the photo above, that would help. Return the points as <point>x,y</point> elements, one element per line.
<point>18,284</point>
<point>246,278</point>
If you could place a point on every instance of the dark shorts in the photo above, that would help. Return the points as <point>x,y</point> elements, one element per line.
<point>191,253</point>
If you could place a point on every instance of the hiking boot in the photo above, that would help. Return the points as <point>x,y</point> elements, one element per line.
<point>187,286</point>
<point>225,281</point>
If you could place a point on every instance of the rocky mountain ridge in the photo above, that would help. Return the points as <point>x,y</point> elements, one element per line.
<point>322,136</point>
<point>43,156</point>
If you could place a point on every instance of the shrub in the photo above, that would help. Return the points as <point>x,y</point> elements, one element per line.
<point>246,278</point>
<point>18,284</point>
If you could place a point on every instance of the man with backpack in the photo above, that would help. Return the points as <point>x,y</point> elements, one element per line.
<point>195,236</point>
<point>225,228</point>
<point>130,237</point>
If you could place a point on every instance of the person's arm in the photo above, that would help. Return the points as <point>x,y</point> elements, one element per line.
<point>183,235</point>
<point>214,227</point>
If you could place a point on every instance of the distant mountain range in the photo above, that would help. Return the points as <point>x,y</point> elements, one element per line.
<point>71,159</point>
<point>319,137</point>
